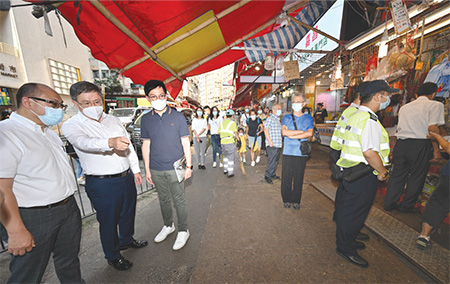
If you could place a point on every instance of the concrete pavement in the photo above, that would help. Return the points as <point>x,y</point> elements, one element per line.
<point>241,233</point>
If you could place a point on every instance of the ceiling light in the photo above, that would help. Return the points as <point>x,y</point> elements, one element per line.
<point>317,82</point>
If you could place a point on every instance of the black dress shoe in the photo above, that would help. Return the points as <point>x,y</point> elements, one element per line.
<point>230,176</point>
<point>362,237</point>
<point>275,177</point>
<point>407,209</point>
<point>268,180</point>
<point>135,244</point>
<point>355,259</point>
<point>120,263</point>
<point>203,167</point>
<point>360,245</point>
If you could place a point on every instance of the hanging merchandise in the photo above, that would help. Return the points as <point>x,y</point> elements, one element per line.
<point>269,62</point>
<point>279,62</point>
<point>400,16</point>
<point>382,52</point>
<point>440,74</point>
<point>291,70</point>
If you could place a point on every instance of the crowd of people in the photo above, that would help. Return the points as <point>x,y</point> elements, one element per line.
<point>42,218</point>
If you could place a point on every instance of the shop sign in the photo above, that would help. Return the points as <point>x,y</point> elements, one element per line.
<point>400,16</point>
<point>291,70</point>
<point>8,71</point>
<point>315,41</point>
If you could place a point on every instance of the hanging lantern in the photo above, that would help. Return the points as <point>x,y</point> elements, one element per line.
<point>269,62</point>
<point>279,63</point>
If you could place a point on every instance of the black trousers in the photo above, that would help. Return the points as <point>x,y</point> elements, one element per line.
<point>55,230</point>
<point>352,205</point>
<point>293,171</point>
<point>438,205</point>
<point>273,157</point>
<point>410,167</point>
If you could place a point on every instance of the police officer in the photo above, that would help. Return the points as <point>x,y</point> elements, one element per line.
<point>365,141</point>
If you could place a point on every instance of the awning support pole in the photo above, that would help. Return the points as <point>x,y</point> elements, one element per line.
<point>314,29</point>
<point>132,36</point>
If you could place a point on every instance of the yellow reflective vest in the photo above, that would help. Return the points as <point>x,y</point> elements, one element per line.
<point>226,130</point>
<point>351,152</point>
<point>339,130</point>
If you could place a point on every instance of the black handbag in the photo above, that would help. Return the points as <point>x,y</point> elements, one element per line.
<point>305,146</point>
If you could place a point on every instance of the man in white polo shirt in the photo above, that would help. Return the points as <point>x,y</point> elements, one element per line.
<point>37,181</point>
<point>413,151</point>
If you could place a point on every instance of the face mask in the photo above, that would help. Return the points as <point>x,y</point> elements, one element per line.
<point>259,111</point>
<point>278,112</point>
<point>159,104</point>
<point>297,107</point>
<point>241,134</point>
<point>253,117</point>
<point>52,116</point>
<point>247,110</point>
<point>199,113</point>
<point>94,112</point>
<point>215,113</point>
<point>385,104</point>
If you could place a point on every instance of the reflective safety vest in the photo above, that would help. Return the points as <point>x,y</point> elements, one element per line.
<point>351,153</point>
<point>339,130</point>
<point>226,132</point>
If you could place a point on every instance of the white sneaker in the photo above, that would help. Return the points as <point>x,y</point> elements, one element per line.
<point>244,161</point>
<point>220,165</point>
<point>214,164</point>
<point>165,231</point>
<point>252,164</point>
<point>258,158</point>
<point>81,181</point>
<point>181,240</point>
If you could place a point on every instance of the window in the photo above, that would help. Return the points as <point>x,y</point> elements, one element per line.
<point>63,76</point>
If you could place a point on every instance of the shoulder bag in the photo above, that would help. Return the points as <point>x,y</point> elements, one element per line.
<point>305,146</point>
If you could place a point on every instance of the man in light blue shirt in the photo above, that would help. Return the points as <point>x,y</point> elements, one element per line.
<point>274,142</point>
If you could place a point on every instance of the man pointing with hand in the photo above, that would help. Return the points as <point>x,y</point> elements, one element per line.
<point>111,168</point>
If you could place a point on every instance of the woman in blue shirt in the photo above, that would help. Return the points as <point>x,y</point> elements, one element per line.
<point>294,161</point>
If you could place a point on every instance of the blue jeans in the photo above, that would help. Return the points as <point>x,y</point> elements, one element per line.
<point>215,138</point>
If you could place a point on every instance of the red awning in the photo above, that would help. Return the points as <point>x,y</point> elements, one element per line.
<point>126,35</point>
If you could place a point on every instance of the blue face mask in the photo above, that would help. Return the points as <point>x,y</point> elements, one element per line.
<point>52,116</point>
<point>297,107</point>
<point>199,113</point>
<point>259,111</point>
<point>386,103</point>
<point>247,110</point>
<point>278,112</point>
<point>214,113</point>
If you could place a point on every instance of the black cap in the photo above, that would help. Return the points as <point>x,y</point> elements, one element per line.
<point>372,87</point>
<point>153,84</point>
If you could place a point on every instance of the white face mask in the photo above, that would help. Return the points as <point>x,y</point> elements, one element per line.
<point>241,134</point>
<point>297,107</point>
<point>253,117</point>
<point>94,112</point>
<point>159,104</point>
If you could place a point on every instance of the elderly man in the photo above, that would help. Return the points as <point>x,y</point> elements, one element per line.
<point>111,167</point>
<point>165,136</point>
<point>39,212</point>
<point>274,142</point>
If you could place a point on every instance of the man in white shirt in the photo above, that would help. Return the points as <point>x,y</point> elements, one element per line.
<point>111,168</point>
<point>39,212</point>
<point>413,151</point>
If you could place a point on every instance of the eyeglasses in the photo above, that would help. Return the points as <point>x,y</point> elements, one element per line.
<point>155,97</point>
<point>54,104</point>
<point>85,104</point>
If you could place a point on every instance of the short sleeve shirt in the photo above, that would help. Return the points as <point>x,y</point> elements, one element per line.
<point>274,126</point>
<point>371,135</point>
<point>304,123</point>
<point>165,133</point>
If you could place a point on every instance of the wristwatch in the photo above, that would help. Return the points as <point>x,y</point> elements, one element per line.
<point>386,174</point>
<point>190,167</point>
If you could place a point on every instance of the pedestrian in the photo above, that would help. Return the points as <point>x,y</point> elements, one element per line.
<point>165,136</point>
<point>438,205</point>
<point>213,125</point>
<point>206,115</point>
<point>272,129</point>
<point>243,149</point>
<point>199,130</point>
<point>39,213</point>
<point>295,127</point>
<point>262,116</point>
<point>364,155</point>
<point>254,130</point>
<point>320,114</point>
<point>228,133</point>
<point>413,151</point>
<point>337,140</point>
<point>111,168</point>
<point>244,118</point>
